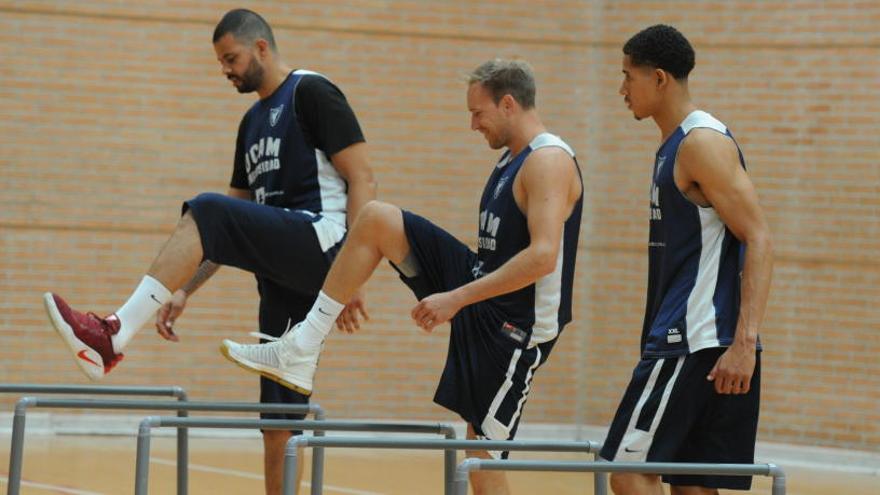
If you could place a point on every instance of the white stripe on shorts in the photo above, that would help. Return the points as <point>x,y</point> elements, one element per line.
<point>636,443</point>
<point>491,426</point>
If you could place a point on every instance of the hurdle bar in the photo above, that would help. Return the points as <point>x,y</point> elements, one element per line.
<point>143,443</point>
<point>471,464</point>
<point>16,454</point>
<point>170,391</point>
<point>294,444</point>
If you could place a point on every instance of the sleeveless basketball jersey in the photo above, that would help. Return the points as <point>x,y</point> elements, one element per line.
<point>543,308</point>
<point>695,262</point>
<point>283,170</point>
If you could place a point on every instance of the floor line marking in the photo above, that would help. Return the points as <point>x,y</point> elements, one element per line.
<point>254,476</point>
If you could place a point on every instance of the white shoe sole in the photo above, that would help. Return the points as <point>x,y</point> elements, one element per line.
<point>270,373</point>
<point>86,358</point>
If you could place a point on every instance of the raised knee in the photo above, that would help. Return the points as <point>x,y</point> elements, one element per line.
<point>377,213</point>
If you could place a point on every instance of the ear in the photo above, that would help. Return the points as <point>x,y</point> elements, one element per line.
<point>508,102</point>
<point>262,48</point>
<point>662,77</point>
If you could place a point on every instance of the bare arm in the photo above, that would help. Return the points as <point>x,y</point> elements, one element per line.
<point>710,160</point>
<point>549,187</point>
<point>351,163</point>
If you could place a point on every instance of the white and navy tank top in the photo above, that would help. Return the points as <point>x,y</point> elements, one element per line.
<point>543,308</point>
<point>694,261</point>
<point>284,169</point>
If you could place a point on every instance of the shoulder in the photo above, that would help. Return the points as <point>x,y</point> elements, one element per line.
<point>549,154</point>
<point>313,83</point>
<point>706,152</point>
<point>548,164</point>
<point>704,143</point>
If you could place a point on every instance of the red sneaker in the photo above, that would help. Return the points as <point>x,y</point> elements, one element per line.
<point>87,335</point>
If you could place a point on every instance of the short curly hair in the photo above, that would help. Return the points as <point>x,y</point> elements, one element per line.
<point>663,47</point>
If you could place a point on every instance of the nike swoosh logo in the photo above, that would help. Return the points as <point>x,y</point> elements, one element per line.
<point>322,311</point>
<point>627,449</point>
<point>153,297</point>
<point>82,355</point>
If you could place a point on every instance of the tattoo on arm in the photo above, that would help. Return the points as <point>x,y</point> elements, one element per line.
<point>203,273</point>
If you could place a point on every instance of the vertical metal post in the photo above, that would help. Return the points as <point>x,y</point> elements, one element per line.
<point>142,463</point>
<point>182,447</point>
<point>600,480</point>
<point>778,480</point>
<point>317,457</point>
<point>16,448</point>
<point>288,486</point>
<point>462,473</point>
<point>449,461</point>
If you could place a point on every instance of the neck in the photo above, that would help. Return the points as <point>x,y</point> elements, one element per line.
<point>523,134</point>
<point>670,116</point>
<point>275,75</point>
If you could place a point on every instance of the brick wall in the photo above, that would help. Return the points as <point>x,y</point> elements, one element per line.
<point>112,114</point>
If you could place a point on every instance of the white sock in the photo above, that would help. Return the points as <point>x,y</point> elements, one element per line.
<point>148,297</point>
<point>319,321</point>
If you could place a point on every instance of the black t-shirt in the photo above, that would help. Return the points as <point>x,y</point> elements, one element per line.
<point>324,116</point>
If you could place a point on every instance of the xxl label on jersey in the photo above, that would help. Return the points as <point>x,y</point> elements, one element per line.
<point>489,224</point>
<point>262,157</point>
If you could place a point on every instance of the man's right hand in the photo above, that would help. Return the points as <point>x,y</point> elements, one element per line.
<point>349,321</point>
<point>168,313</point>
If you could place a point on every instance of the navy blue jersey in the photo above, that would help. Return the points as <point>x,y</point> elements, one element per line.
<point>695,262</point>
<point>543,308</point>
<point>283,148</point>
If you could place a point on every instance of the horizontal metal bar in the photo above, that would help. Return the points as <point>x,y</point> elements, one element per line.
<point>624,467</point>
<point>438,444</point>
<point>290,424</point>
<point>174,391</point>
<point>160,405</point>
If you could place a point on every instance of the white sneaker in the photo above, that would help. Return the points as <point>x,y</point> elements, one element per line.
<point>282,361</point>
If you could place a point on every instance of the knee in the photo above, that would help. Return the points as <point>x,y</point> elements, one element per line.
<point>376,215</point>
<point>207,200</point>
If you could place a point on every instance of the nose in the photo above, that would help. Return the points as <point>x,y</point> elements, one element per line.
<point>621,89</point>
<point>225,69</point>
<point>474,125</point>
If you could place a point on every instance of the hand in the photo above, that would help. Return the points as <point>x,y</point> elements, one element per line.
<point>435,309</point>
<point>168,313</point>
<point>732,373</point>
<point>348,320</point>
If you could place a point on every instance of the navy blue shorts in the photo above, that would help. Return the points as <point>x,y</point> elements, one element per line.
<point>671,413</point>
<point>273,243</point>
<point>281,248</point>
<point>488,369</point>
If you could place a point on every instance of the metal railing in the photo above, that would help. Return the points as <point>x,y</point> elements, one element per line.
<point>16,453</point>
<point>469,465</point>
<point>294,444</point>
<point>143,444</point>
<point>170,391</point>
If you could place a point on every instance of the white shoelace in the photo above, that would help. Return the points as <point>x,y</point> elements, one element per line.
<point>272,338</point>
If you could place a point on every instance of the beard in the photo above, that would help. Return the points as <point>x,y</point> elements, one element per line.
<point>251,79</point>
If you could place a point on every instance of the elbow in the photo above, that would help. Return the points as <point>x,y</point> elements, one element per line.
<point>544,261</point>
<point>364,181</point>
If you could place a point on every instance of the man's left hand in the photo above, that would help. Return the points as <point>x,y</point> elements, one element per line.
<point>435,309</point>
<point>732,373</point>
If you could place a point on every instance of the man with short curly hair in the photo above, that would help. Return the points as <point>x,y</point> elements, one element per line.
<point>694,395</point>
